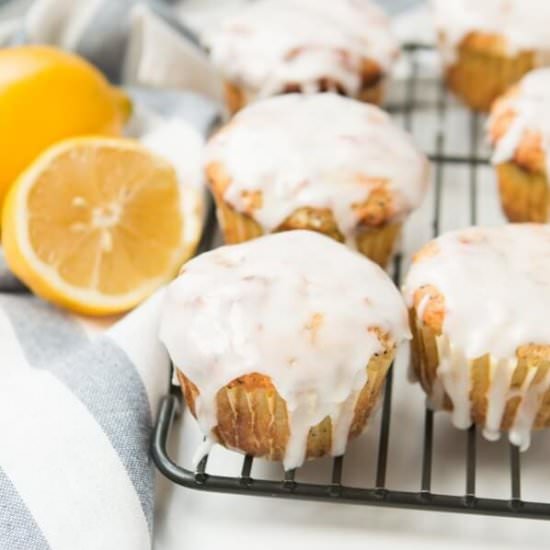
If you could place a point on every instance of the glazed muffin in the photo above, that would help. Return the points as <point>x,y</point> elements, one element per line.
<point>282,344</point>
<point>488,45</point>
<point>519,130</point>
<point>279,46</point>
<point>479,300</point>
<point>324,163</point>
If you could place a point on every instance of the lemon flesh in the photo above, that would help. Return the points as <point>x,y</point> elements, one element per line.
<point>96,225</point>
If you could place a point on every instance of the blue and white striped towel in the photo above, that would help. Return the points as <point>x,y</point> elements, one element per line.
<point>78,398</point>
<point>76,411</point>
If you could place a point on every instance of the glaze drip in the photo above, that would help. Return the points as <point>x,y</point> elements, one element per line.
<point>531,107</point>
<point>297,307</point>
<point>496,286</point>
<point>322,151</point>
<point>276,43</point>
<point>522,23</point>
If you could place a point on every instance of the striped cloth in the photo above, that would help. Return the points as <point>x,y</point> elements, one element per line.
<point>76,410</point>
<point>78,398</point>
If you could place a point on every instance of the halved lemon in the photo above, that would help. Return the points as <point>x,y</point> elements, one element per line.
<point>98,224</point>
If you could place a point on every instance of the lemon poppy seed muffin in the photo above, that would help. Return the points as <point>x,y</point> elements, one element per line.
<point>479,301</point>
<point>488,45</point>
<point>519,130</point>
<point>279,46</point>
<point>324,163</point>
<point>282,344</point>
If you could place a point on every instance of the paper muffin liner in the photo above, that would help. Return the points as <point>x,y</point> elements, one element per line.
<point>510,395</point>
<point>252,417</point>
<point>377,243</point>
<point>373,93</point>
<point>479,77</point>
<point>236,97</point>
<point>524,195</point>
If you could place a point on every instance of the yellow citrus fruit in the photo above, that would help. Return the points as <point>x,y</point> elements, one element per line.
<point>47,95</point>
<point>97,224</point>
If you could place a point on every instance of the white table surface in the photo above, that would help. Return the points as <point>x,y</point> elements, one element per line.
<point>193,519</point>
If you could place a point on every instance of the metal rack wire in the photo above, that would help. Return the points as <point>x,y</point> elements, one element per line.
<point>379,494</point>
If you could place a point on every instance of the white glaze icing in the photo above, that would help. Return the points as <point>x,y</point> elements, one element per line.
<point>497,395</point>
<point>455,380</point>
<point>496,286</point>
<point>523,23</point>
<point>531,107</point>
<point>249,308</point>
<point>323,151</point>
<point>273,43</point>
<point>520,434</point>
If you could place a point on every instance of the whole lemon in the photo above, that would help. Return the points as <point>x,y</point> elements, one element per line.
<point>46,95</point>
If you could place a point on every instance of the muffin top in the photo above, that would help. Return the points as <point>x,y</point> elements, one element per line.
<point>320,151</point>
<point>517,25</point>
<point>273,44</point>
<point>519,126</point>
<point>297,307</point>
<point>487,289</point>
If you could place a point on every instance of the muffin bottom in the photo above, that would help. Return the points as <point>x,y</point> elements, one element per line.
<point>377,243</point>
<point>237,97</point>
<point>524,194</point>
<point>253,419</point>
<point>527,391</point>
<point>480,74</point>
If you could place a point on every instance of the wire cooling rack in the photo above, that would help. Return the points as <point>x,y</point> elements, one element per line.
<point>334,489</point>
